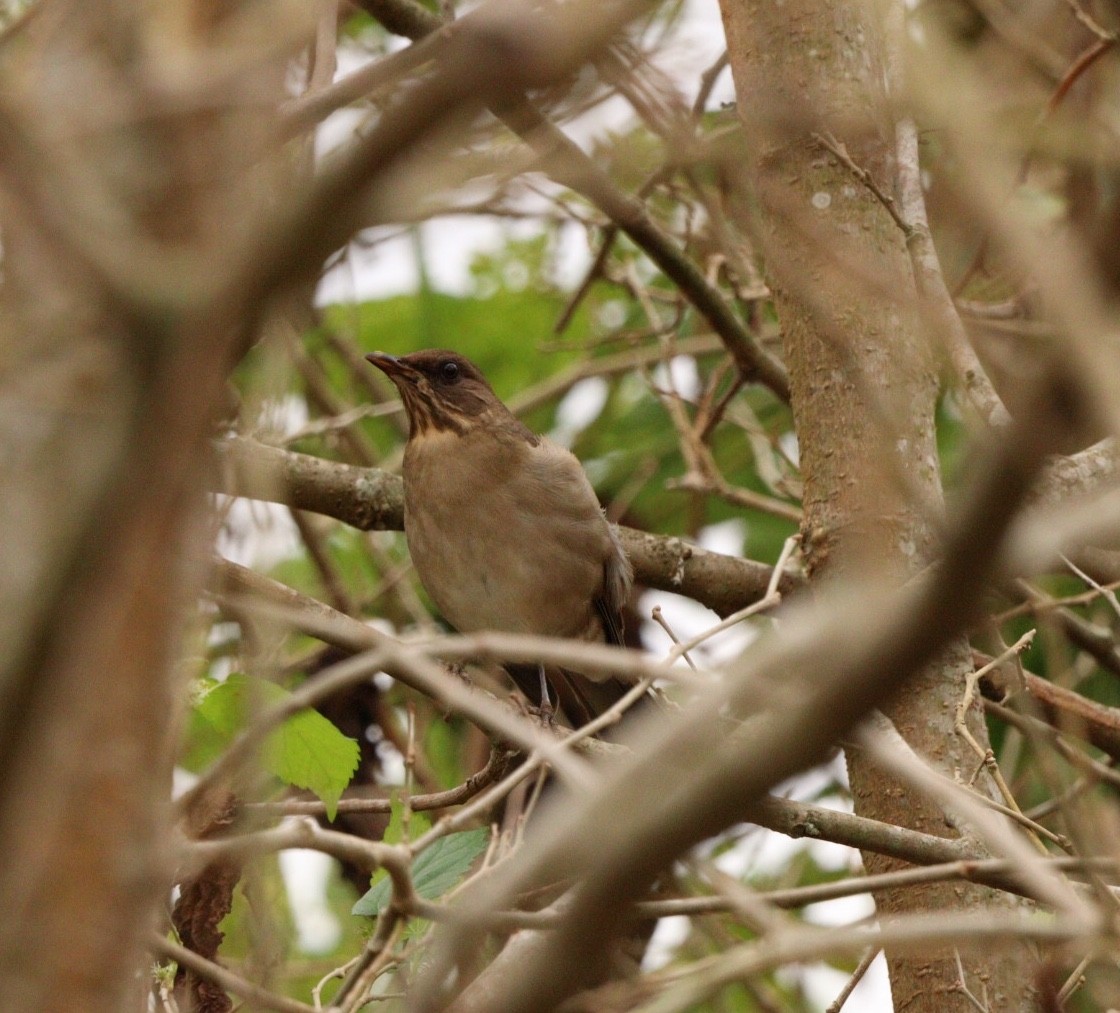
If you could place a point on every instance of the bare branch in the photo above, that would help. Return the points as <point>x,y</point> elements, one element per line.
<point>370,499</point>
<point>472,786</point>
<point>171,950</point>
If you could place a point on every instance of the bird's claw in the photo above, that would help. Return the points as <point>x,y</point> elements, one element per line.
<point>547,714</point>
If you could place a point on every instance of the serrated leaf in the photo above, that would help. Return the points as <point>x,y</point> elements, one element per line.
<point>446,862</point>
<point>404,825</point>
<point>435,871</point>
<point>306,751</point>
<point>375,898</point>
<point>309,752</point>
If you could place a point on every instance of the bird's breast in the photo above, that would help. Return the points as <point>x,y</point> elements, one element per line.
<point>504,535</point>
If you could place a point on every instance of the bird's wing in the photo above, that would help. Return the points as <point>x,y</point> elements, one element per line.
<point>612,622</point>
<point>618,575</point>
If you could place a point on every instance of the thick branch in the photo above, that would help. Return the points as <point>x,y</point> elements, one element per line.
<point>801,819</point>
<point>372,500</point>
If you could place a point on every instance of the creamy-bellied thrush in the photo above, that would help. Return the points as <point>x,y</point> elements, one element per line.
<point>504,528</point>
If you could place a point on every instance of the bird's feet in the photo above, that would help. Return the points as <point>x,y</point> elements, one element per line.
<point>546,714</point>
<point>541,714</point>
<point>546,710</point>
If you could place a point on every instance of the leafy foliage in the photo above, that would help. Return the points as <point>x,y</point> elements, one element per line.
<point>436,870</point>
<point>306,750</point>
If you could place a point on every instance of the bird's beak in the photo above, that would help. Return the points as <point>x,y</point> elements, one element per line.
<point>390,365</point>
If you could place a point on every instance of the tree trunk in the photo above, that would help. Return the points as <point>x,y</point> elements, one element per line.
<point>809,74</point>
<point>106,402</point>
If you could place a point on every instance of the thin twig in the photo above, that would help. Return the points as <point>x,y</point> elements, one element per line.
<point>863,176</point>
<point>890,749</point>
<point>929,279</point>
<point>1090,22</point>
<point>567,163</point>
<point>1106,592</point>
<point>1088,765</point>
<point>917,933</point>
<point>707,83</point>
<point>477,782</point>
<point>483,803</point>
<point>862,967</point>
<point>770,601</point>
<point>1074,981</point>
<point>993,872</point>
<point>962,985</point>
<point>661,621</point>
<point>789,547</point>
<point>172,950</point>
<point>987,757</point>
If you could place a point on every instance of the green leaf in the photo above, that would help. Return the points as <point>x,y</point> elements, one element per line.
<point>306,750</point>
<point>404,824</point>
<point>309,752</point>
<point>203,743</point>
<point>375,898</point>
<point>435,871</point>
<point>441,747</point>
<point>446,862</point>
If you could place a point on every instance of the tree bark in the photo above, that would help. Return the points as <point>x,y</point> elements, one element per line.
<point>809,75</point>
<point>106,401</point>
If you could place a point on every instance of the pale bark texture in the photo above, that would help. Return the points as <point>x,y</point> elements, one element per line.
<point>863,392</point>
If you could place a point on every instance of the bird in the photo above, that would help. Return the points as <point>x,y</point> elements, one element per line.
<point>504,529</point>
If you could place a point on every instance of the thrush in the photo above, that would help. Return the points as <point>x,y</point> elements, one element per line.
<point>504,528</point>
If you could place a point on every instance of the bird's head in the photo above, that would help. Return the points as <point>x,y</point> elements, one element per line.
<point>440,389</point>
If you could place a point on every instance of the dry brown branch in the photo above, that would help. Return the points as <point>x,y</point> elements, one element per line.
<point>857,976</point>
<point>994,872</point>
<point>800,819</point>
<point>409,664</point>
<point>305,833</point>
<point>1064,708</point>
<point>939,311</point>
<point>974,814</point>
<point>1089,470</point>
<point>985,754</point>
<point>605,365</point>
<point>313,107</point>
<point>1043,732</point>
<point>316,619</point>
<point>914,933</point>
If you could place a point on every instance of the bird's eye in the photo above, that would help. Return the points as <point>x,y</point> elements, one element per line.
<point>449,371</point>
